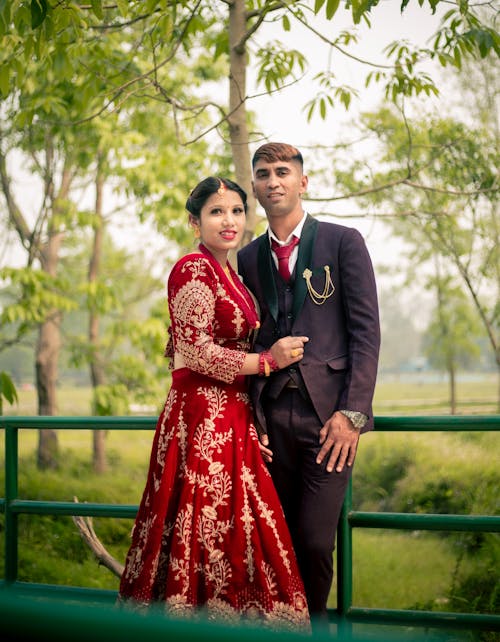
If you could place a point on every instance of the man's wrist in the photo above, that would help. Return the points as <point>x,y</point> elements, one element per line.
<point>358,419</point>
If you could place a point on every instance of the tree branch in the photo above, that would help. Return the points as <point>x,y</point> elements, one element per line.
<point>332,43</point>
<point>15,214</point>
<point>86,529</point>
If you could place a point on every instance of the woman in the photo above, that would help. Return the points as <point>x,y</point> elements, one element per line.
<point>210,532</point>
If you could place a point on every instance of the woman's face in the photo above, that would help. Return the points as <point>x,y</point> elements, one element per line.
<point>221,223</point>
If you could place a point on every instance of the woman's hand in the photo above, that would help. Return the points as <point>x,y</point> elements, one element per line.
<point>265,451</point>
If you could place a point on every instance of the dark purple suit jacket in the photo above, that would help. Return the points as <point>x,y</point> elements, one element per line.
<point>339,366</point>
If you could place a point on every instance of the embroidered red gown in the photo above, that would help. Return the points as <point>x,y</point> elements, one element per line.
<point>210,531</point>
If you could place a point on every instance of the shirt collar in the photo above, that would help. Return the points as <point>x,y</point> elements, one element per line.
<point>295,232</point>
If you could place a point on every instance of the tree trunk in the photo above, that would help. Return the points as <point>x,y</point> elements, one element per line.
<point>49,338</point>
<point>498,394</point>
<point>453,390</point>
<point>99,460</point>
<point>498,380</point>
<point>238,129</point>
<point>46,363</point>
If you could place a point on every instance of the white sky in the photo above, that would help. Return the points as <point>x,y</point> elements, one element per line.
<point>281,116</point>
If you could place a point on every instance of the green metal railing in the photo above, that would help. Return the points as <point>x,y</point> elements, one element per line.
<point>346,614</point>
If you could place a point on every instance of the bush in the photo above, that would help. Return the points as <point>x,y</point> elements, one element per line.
<point>442,496</point>
<point>380,466</point>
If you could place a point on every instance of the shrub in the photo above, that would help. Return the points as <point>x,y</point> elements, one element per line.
<point>379,468</point>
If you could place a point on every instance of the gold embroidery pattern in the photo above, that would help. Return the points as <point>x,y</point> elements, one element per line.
<point>249,479</point>
<point>238,318</point>
<point>193,308</point>
<point>164,439</point>
<point>134,567</point>
<point>203,488</point>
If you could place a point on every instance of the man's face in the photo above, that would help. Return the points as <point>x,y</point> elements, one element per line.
<point>278,186</point>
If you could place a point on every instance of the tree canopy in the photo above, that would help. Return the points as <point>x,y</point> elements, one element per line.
<point>134,101</point>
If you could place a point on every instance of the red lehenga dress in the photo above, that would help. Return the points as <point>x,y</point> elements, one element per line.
<point>210,536</point>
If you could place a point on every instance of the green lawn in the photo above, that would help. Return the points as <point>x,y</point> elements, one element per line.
<point>392,397</point>
<point>392,569</point>
<point>421,397</point>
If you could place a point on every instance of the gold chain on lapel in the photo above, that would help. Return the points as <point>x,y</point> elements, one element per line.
<point>317,297</point>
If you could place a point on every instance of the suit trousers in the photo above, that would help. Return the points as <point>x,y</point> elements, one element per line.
<point>311,497</point>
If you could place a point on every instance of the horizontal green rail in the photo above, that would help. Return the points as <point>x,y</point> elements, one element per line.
<point>88,509</point>
<point>479,423</point>
<point>22,619</point>
<point>426,522</point>
<point>345,615</point>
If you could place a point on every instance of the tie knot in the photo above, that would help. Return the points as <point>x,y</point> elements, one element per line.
<point>283,253</point>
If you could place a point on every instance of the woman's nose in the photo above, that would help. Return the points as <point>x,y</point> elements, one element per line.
<point>228,217</point>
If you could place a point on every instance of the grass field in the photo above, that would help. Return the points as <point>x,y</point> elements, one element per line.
<point>392,397</point>
<point>409,570</point>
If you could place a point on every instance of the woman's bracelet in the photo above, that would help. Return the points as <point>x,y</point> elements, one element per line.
<point>267,364</point>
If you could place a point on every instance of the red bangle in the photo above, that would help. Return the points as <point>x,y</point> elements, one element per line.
<point>262,366</point>
<point>267,364</point>
<point>270,360</point>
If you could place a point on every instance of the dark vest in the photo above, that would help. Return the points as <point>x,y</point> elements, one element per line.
<point>278,380</point>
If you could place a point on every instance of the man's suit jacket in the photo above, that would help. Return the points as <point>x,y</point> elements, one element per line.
<point>340,360</point>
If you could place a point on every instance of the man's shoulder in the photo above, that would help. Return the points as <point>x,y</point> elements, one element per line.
<point>340,235</point>
<point>328,227</point>
<point>251,247</point>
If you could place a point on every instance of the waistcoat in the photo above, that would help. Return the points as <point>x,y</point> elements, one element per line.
<point>278,380</point>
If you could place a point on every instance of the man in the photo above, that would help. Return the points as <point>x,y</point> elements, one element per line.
<point>312,413</point>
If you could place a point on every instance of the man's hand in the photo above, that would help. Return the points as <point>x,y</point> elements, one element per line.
<point>339,442</point>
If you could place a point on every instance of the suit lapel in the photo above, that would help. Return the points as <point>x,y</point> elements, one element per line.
<point>266,278</point>
<point>304,260</point>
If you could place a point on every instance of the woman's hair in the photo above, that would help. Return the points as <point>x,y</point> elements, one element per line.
<point>206,188</point>
<point>274,152</point>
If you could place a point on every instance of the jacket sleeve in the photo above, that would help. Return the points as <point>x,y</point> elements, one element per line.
<point>362,322</point>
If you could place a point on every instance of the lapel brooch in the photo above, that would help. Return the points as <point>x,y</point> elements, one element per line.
<point>319,297</point>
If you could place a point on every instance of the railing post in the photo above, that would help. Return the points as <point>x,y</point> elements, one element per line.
<point>11,491</point>
<point>344,566</point>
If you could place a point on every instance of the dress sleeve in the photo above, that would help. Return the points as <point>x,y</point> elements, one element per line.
<point>192,293</point>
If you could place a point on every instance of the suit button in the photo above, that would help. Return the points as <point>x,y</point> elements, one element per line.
<point>289,315</point>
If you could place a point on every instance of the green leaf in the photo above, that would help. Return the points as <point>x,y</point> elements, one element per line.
<point>122,7</point>
<point>97,8</point>
<point>4,80</point>
<point>331,8</point>
<point>310,110</point>
<point>7,388</point>
<point>317,5</point>
<point>322,108</point>
<point>38,12</point>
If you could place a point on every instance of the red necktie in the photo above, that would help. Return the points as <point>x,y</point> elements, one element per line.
<point>283,253</point>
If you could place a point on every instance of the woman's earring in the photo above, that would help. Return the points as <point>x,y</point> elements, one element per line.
<point>196,232</point>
